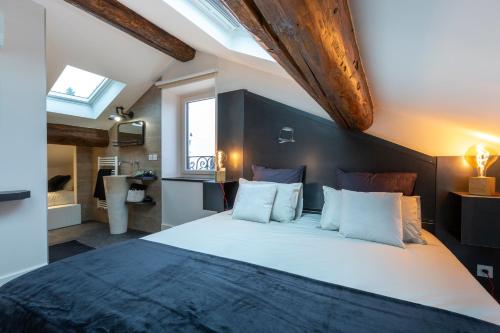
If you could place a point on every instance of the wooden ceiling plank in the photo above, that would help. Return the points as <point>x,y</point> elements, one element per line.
<point>314,41</point>
<point>125,19</point>
<point>76,136</point>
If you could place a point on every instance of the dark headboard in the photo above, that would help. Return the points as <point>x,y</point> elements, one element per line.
<point>251,123</point>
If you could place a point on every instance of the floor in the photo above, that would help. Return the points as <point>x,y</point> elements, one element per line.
<point>94,234</point>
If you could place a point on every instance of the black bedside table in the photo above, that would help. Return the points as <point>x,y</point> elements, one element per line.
<point>213,195</point>
<point>479,219</point>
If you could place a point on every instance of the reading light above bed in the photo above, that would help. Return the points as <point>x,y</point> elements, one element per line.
<point>286,135</point>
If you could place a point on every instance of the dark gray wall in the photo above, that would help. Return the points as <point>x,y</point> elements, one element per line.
<point>230,122</point>
<point>250,124</point>
<point>320,145</point>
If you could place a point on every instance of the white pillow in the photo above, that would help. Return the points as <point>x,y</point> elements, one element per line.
<point>330,215</point>
<point>286,201</point>
<point>300,203</point>
<point>373,216</point>
<point>255,202</point>
<point>412,220</point>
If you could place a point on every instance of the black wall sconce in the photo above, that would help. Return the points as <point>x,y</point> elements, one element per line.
<point>121,115</point>
<point>286,135</point>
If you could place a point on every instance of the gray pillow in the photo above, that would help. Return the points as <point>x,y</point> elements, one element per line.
<point>401,182</point>
<point>287,176</point>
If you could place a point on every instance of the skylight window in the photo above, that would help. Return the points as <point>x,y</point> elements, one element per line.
<point>212,17</point>
<point>82,94</point>
<point>77,85</point>
<point>217,11</point>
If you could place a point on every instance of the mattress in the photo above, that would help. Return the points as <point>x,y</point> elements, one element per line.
<point>423,274</point>
<point>60,198</point>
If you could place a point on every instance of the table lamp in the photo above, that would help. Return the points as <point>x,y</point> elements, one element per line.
<point>220,170</point>
<point>481,157</point>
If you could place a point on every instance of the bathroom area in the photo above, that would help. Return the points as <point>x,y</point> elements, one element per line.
<point>114,189</point>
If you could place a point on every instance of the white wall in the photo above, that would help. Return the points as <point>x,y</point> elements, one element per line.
<point>233,76</point>
<point>60,160</point>
<point>182,202</point>
<point>171,134</point>
<point>23,137</point>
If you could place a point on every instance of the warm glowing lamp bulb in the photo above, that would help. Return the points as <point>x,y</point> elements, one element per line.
<point>481,157</point>
<point>220,170</point>
<point>220,158</point>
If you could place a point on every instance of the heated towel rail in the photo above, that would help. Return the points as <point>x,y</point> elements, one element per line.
<point>107,162</point>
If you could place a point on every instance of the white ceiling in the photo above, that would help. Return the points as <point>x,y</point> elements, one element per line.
<point>78,39</point>
<point>433,68</point>
<point>163,14</point>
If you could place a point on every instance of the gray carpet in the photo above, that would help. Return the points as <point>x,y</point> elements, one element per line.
<point>93,234</point>
<point>65,250</point>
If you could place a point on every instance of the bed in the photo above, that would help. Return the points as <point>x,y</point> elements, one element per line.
<point>429,275</point>
<point>219,274</point>
<point>62,209</point>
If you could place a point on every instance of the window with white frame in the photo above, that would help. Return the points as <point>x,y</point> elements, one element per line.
<point>80,93</point>
<point>199,135</point>
<point>77,85</point>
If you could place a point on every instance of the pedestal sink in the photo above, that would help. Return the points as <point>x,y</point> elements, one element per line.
<point>116,188</point>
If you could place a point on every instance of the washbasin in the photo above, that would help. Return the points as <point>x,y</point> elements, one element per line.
<point>116,188</point>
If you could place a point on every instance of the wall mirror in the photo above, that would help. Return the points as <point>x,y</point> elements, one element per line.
<point>131,133</point>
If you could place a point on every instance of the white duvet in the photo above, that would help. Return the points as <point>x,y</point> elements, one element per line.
<point>424,274</point>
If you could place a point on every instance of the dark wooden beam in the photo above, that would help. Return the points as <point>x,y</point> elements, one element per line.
<point>76,136</point>
<point>125,19</point>
<point>314,42</point>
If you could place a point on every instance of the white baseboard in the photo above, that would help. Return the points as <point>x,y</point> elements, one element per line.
<point>6,278</point>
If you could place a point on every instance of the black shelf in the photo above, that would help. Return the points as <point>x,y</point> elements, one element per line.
<point>145,178</point>
<point>14,195</point>
<point>142,203</point>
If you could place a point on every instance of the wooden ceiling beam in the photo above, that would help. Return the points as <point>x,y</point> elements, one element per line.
<point>76,136</point>
<point>125,19</point>
<point>313,40</point>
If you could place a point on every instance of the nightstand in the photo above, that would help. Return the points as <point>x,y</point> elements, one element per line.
<point>213,195</point>
<point>479,219</point>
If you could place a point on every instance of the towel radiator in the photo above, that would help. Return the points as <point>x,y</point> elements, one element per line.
<point>107,162</point>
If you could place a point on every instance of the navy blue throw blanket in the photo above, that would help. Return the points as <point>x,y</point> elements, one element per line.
<point>141,286</point>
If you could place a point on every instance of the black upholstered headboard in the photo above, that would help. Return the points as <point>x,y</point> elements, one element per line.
<point>252,123</point>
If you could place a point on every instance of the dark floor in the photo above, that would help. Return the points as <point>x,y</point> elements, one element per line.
<point>93,234</point>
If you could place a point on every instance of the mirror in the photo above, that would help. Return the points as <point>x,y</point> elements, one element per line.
<point>131,133</point>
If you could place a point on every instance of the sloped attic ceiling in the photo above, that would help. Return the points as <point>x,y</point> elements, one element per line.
<point>433,68</point>
<point>78,39</point>
<point>431,65</point>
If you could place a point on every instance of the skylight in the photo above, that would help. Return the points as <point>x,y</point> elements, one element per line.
<point>82,94</point>
<point>77,85</point>
<point>220,24</point>
<point>217,11</point>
